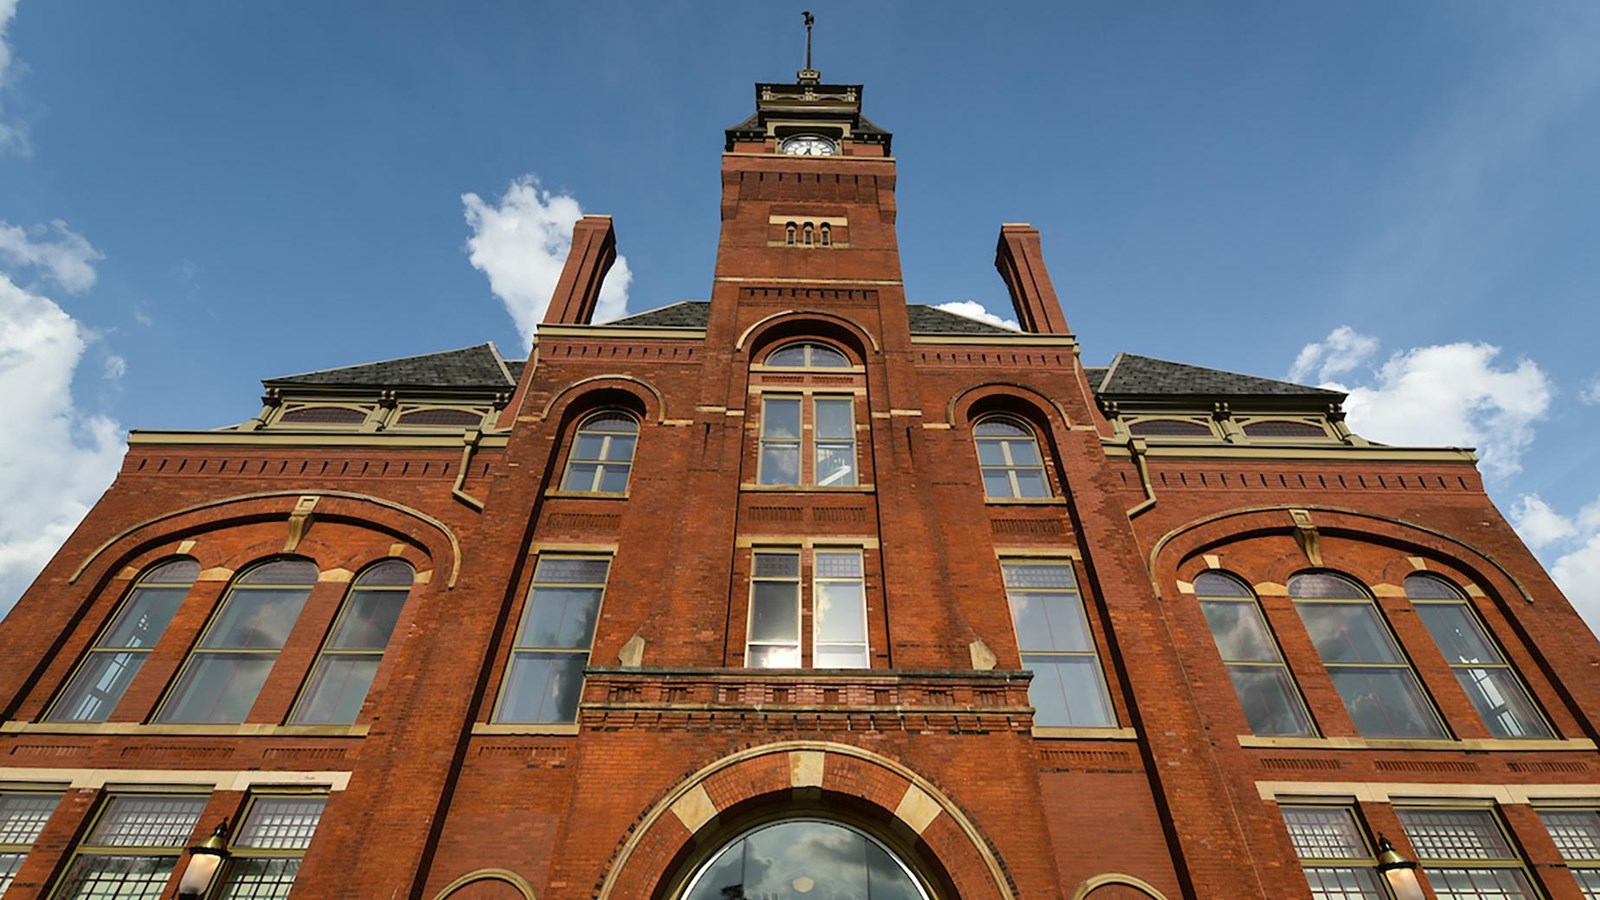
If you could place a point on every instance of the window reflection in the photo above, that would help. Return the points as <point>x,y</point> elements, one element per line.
<point>804,860</point>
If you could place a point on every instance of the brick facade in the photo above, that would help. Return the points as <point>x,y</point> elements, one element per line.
<point>678,745</point>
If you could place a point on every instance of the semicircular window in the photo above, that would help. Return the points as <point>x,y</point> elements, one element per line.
<point>1284,428</point>
<point>1170,428</point>
<point>441,418</point>
<point>324,415</point>
<point>804,859</point>
<point>808,355</point>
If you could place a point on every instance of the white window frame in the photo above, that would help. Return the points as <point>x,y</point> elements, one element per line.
<point>806,444</point>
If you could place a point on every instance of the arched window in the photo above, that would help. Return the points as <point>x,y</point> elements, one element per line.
<point>1496,693</point>
<point>1008,457</point>
<point>798,859</point>
<point>120,650</point>
<point>827,234</point>
<point>350,656</point>
<point>227,668</point>
<point>788,233</point>
<point>808,355</point>
<point>1375,680</point>
<point>1266,689</point>
<point>324,415</point>
<point>602,454</point>
<point>1170,428</point>
<point>810,233</point>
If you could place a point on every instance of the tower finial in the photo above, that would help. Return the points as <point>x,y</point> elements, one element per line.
<point>808,75</point>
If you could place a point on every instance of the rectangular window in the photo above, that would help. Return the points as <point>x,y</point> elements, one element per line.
<point>838,607</point>
<point>268,847</point>
<point>1334,853</point>
<point>1376,682</point>
<point>1491,685</point>
<point>544,679</point>
<point>1576,833</point>
<point>774,631</point>
<point>1068,687</point>
<point>784,425</point>
<point>132,849</point>
<point>1465,854</point>
<point>23,815</point>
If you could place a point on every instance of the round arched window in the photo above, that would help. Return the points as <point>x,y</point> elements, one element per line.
<point>804,859</point>
<point>807,355</point>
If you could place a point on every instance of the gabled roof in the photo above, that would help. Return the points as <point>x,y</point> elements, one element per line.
<point>1142,376</point>
<point>684,314</point>
<point>478,366</point>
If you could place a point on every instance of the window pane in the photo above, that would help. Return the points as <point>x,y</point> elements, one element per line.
<point>1348,632</point>
<point>773,657</point>
<point>837,656</point>
<point>1328,883</point>
<point>1240,633</point>
<point>368,620</point>
<point>777,565</point>
<point>283,571</point>
<point>780,417</point>
<point>1210,584</point>
<point>835,419</point>
<point>792,355</point>
<point>259,879</point>
<point>1324,832</point>
<point>1386,702</point>
<point>281,823</point>
<point>580,477</point>
<point>560,617</point>
<point>841,612</point>
<point>588,446</point>
<point>1479,884</point>
<point>1501,702</point>
<point>780,464</point>
<point>99,683</point>
<point>543,687</point>
<point>1270,702</point>
<point>997,483</point>
<point>1427,587</point>
<point>1049,621</point>
<point>998,427</point>
<point>23,816</point>
<point>1031,483</point>
<point>1321,585</point>
<point>836,465</point>
<point>218,687</point>
<point>1066,690</point>
<point>117,877</point>
<point>147,821</point>
<point>775,612</point>
<point>613,423</point>
<point>1576,832</point>
<point>614,478</point>
<point>1589,882</point>
<point>1023,453</point>
<point>1455,834</point>
<point>256,618</point>
<point>571,570</point>
<point>178,572</point>
<point>991,453</point>
<point>1455,629</point>
<point>393,573</point>
<point>838,565</point>
<point>10,864</point>
<point>143,617</point>
<point>337,689</point>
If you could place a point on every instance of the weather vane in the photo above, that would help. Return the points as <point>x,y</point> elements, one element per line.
<point>808,74</point>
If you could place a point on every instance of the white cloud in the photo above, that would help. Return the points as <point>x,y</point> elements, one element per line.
<point>1449,395</point>
<point>116,367</point>
<point>1590,393</point>
<point>67,258</point>
<point>55,460</point>
<point>13,135</point>
<point>521,243</point>
<point>1571,547</point>
<point>972,309</point>
<point>1341,353</point>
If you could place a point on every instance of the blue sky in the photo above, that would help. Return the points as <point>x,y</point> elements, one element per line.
<point>1402,199</point>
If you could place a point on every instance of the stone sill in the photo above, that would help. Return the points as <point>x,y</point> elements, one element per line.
<point>808,488</point>
<point>547,729</point>
<point>1059,732</point>
<point>248,729</point>
<point>1356,743</point>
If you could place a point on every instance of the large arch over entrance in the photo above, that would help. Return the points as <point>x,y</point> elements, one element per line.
<point>692,819</point>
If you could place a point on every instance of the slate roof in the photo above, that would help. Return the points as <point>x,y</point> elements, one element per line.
<point>479,366</point>
<point>933,320</point>
<point>1131,376</point>
<point>684,314</point>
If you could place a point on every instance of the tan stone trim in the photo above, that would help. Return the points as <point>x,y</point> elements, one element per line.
<point>185,546</point>
<point>1185,587</point>
<point>336,575</point>
<point>212,779</point>
<point>220,573</point>
<point>1011,386</point>
<point>504,876</point>
<point>554,728</point>
<point>1118,878</point>
<point>1048,552</point>
<point>1270,589</point>
<point>586,495</point>
<point>387,440</point>
<point>941,426</point>
<point>834,317</point>
<point>980,845</point>
<point>247,729</point>
<point>694,808</point>
<point>1356,743</point>
<point>1160,545</point>
<point>1339,452</point>
<point>661,402</point>
<point>917,809</point>
<point>1388,590</point>
<point>904,412</point>
<point>1391,792</point>
<point>1060,732</point>
<point>1418,563</point>
<point>751,486</point>
<point>806,390</point>
<point>567,547</point>
<point>806,541</point>
<point>1020,339</point>
<point>806,768</point>
<point>807,217</point>
<point>1025,501</point>
<point>580,332</point>
<point>832,160</point>
<point>1213,561</point>
<point>455,544</point>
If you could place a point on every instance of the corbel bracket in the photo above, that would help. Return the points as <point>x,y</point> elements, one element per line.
<point>1305,534</point>
<point>300,521</point>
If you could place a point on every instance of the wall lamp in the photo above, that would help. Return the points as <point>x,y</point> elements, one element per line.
<point>1399,872</point>
<point>205,859</point>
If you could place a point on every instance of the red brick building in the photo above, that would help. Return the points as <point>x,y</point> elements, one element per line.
<point>807,591</point>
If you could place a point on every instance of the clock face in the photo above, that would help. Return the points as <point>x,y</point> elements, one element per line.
<point>809,145</point>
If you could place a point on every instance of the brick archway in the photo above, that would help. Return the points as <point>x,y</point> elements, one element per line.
<point>1116,886</point>
<point>940,829</point>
